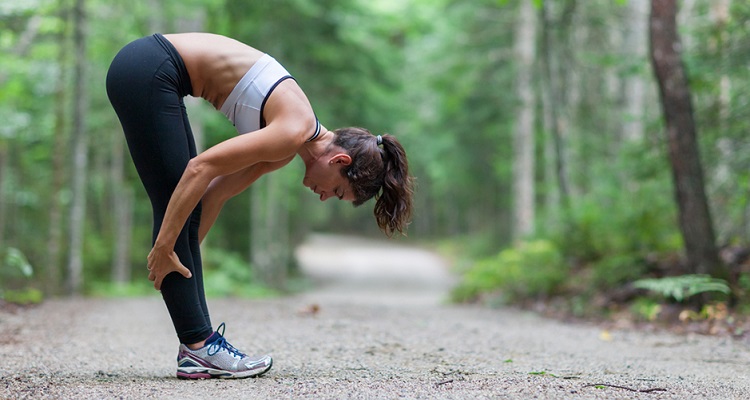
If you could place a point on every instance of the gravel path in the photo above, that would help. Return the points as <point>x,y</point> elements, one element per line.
<point>381,331</point>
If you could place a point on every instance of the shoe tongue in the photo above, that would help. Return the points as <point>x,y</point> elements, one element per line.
<point>214,337</point>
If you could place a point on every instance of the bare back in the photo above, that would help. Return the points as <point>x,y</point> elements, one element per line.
<point>215,63</point>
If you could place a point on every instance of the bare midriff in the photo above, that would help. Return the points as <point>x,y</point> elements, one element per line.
<point>215,63</point>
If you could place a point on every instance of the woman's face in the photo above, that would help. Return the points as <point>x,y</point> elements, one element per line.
<point>325,179</point>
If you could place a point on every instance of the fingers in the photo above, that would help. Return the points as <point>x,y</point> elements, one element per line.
<point>152,278</point>
<point>185,272</point>
<point>158,270</point>
<point>159,278</point>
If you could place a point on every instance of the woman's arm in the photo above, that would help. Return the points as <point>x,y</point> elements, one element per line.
<point>225,187</point>
<point>274,143</point>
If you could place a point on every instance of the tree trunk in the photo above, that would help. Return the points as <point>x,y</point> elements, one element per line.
<point>634,86</point>
<point>694,217</point>
<point>554,87</point>
<point>80,154</point>
<point>59,150</point>
<point>3,203</point>
<point>523,164</point>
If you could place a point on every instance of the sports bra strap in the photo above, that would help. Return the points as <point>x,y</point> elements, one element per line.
<point>317,130</point>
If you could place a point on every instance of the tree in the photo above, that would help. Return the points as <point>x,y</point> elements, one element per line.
<point>634,86</point>
<point>59,148</point>
<point>80,153</point>
<point>523,171</point>
<point>553,85</point>
<point>694,217</point>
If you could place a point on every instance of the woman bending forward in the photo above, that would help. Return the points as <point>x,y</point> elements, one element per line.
<point>146,84</point>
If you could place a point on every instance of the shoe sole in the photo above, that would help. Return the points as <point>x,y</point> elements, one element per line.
<point>209,373</point>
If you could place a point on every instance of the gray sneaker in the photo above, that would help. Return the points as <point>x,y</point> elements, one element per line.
<point>219,360</point>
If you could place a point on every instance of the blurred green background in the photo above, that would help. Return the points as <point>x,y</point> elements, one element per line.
<point>534,130</point>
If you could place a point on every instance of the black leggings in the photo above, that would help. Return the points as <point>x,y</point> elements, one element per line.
<point>146,84</point>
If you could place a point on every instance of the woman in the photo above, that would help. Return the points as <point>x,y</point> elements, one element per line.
<point>146,84</point>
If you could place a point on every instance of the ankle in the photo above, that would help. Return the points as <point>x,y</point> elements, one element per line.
<point>196,346</point>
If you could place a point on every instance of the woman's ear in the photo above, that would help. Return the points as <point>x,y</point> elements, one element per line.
<point>341,158</point>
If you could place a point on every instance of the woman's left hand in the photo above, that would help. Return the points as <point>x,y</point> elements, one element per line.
<point>161,263</point>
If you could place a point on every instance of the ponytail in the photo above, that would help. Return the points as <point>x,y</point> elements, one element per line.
<point>393,206</point>
<point>379,169</point>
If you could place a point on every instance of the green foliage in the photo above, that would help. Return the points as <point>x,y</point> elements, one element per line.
<point>23,296</point>
<point>138,288</point>
<point>15,265</point>
<point>98,257</point>
<point>682,287</point>
<point>744,283</point>
<point>16,275</point>
<point>437,74</point>
<point>530,269</point>
<point>229,275</point>
<point>743,292</point>
<point>468,247</point>
<point>609,223</point>
<point>225,275</point>
<point>612,230</point>
<point>611,271</point>
<point>645,309</point>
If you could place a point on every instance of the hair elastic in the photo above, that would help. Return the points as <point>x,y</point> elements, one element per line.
<point>379,140</point>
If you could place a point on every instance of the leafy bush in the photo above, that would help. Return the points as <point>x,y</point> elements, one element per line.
<point>612,271</point>
<point>464,251</point>
<point>530,269</point>
<point>227,274</point>
<point>609,235</point>
<point>23,296</point>
<point>602,227</point>
<point>743,286</point>
<point>138,288</point>
<point>646,309</point>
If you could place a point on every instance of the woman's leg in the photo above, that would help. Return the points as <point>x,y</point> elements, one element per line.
<point>144,86</point>
<point>194,236</point>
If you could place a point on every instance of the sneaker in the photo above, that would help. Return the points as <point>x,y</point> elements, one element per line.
<point>219,359</point>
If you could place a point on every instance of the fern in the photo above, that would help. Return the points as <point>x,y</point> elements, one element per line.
<point>16,263</point>
<point>682,287</point>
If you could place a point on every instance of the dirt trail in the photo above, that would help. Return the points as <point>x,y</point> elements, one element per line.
<point>382,331</point>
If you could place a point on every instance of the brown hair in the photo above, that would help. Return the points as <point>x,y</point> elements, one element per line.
<point>378,172</point>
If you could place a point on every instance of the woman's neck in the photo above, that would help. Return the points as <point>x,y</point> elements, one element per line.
<point>312,151</point>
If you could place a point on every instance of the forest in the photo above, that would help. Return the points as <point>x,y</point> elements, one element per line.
<point>591,151</point>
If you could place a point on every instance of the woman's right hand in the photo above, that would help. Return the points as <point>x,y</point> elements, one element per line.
<point>163,262</point>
